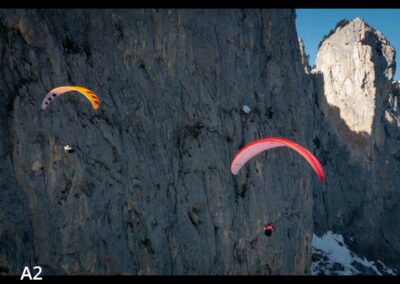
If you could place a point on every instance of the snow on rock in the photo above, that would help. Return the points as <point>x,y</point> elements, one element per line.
<point>246,109</point>
<point>358,133</point>
<point>331,256</point>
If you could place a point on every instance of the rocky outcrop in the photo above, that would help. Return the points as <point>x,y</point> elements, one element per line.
<point>358,140</point>
<point>148,189</point>
<point>305,58</point>
<point>357,64</point>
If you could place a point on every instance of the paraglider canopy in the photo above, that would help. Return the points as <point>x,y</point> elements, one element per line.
<point>256,147</point>
<point>92,97</point>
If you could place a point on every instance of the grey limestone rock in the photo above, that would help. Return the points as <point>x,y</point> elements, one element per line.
<point>148,189</point>
<point>359,140</point>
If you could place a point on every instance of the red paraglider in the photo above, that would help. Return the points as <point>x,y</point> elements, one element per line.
<point>256,147</point>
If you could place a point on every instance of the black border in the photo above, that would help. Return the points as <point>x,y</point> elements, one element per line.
<point>212,279</point>
<point>208,4</point>
<point>212,4</point>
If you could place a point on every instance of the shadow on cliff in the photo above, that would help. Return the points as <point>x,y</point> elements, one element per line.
<point>342,152</point>
<point>356,142</point>
<point>354,184</point>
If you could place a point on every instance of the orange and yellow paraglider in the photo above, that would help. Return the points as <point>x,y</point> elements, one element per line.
<point>92,97</point>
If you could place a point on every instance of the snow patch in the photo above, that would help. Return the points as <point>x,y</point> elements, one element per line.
<point>246,109</point>
<point>331,256</point>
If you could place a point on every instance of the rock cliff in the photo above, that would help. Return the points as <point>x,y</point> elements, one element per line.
<point>358,140</point>
<point>148,188</point>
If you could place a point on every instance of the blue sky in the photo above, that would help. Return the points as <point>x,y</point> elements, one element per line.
<point>313,24</point>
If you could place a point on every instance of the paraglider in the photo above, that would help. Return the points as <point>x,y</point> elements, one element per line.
<point>256,147</point>
<point>92,97</point>
<point>268,229</point>
<point>54,93</point>
<point>259,146</point>
<point>68,149</point>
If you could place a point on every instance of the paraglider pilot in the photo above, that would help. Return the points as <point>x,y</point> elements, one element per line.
<point>268,229</point>
<point>68,149</point>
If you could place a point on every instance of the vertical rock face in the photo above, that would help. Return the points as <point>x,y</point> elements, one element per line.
<point>359,139</point>
<point>148,188</point>
<point>357,64</point>
<point>305,58</point>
